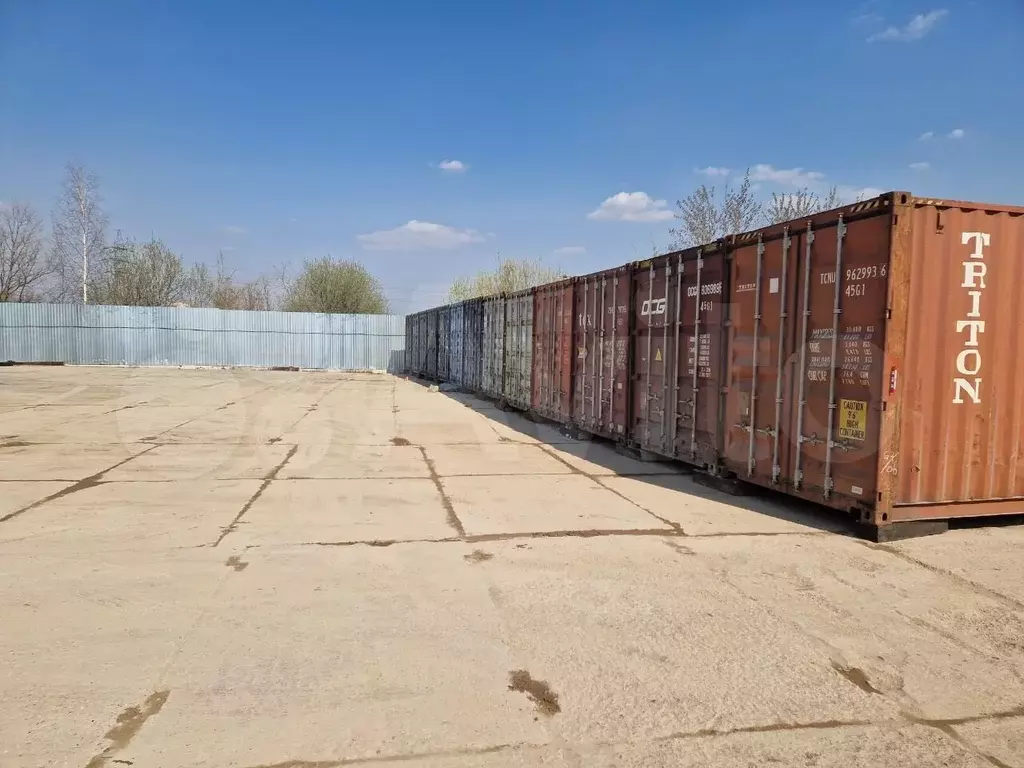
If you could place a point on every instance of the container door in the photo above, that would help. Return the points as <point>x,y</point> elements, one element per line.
<point>656,333</point>
<point>544,354</point>
<point>431,366</point>
<point>494,346</point>
<point>842,299</point>
<point>455,320</point>
<point>473,342</point>
<point>698,436</point>
<point>518,348</point>
<point>763,314</point>
<point>601,365</point>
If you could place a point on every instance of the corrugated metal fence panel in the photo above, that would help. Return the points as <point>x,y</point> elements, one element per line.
<point>97,335</point>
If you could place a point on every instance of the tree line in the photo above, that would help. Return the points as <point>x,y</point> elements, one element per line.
<point>705,215</point>
<point>76,263</point>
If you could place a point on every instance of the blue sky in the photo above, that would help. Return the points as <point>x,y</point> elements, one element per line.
<point>279,131</point>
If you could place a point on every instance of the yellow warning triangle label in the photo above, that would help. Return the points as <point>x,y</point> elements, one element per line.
<point>657,356</point>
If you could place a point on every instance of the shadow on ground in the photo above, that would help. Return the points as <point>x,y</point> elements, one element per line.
<point>604,453</point>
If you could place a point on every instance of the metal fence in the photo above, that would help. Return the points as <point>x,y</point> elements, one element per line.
<point>98,335</point>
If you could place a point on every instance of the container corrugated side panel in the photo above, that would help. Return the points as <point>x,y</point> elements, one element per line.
<point>456,321</point>
<point>961,382</point>
<point>601,330</point>
<point>493,346</point>
<point>113,335</point>
<point>518,349</point>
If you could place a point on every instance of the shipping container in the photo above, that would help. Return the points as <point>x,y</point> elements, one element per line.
<point>552,351</point>
<point>677,304</point>
<point>456,347</point>
<point>518,370</point>
<point>600,377</point>
<point>430,348</point>
<point>876,359</point>
<point>472,343</point>
<point>493,358</point>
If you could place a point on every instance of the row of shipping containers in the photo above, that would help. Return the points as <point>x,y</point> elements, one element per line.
<point>869,358</point>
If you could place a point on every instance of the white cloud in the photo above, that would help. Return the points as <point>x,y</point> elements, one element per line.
<point>227,248</point>
<point>916,28</point>
<point>234,229</point>
<point>926,136</point>
<point>632,206</point>
<point>920,166</point>
<point>419,235</point>
<point>796,177</point>
<point>712,171</point>
<point>956,133</point>
<point>570,250</point>
<point>455,166</point>
<point>292,220</point>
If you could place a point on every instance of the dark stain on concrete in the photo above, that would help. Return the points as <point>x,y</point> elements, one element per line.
<point>15,444</point>
<point>270,476</point>
<point>856,676</point>
<point>452,518</point>
<point>236,562</point>
<point>399,441</point>
<point>682,549</point>
<point>477,556</point>
<point>129,723</point>
<point>274,440</point>
<point>81,485</point>
<point>391,758</point>
<point>538,691</point>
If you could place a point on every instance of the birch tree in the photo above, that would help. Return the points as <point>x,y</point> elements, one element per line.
<point>79,236</point>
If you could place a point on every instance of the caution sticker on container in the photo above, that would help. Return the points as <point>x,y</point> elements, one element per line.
<point>853,419</point>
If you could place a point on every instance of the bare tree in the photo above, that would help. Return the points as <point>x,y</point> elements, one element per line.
<point>704,218</point>
<point>511,275</point>
<point>141,275</point>
<point>218,289</point>
<point>22,264</point>
<point>327,285</point>
<point>79,234</point>
<point>803,202</point>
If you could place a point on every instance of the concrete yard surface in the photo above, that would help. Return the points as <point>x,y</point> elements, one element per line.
<point>259,569</point>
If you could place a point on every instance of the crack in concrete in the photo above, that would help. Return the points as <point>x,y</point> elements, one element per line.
<point>80,485</point>
<point>962,581</point>
<point>395,758</point>
<point>129,723</point>
<point>449,508</point>
<point>270,477</point>
<point>596,479</point>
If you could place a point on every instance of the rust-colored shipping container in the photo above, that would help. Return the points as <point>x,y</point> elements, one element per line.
<point>552,351</point>
<point>876,359</point>
<point>679,304</point>
<point>600,377</point>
